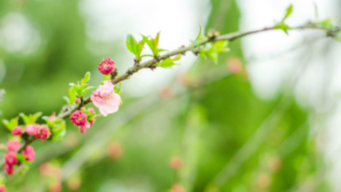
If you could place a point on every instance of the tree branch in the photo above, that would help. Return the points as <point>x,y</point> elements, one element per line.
<point>68,110</point>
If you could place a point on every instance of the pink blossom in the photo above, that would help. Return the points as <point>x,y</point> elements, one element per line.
<point>31,129</point>
<point>107,66</point>
<point>92,122</point>
<point>43,132</point>
<point>52,117</point>
<point>9,169</point>
<point>13,145</point>
<point>29,153</point>
<point>106,99</point>
<point>91,110</point>
<point>78,118</point>
<point>2,188</point>
<point>10,158</point>
<point>17,131</point>
<point>83,128</point>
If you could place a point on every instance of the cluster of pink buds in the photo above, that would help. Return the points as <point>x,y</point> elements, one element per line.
<point>13,146</point>
<point>107,66</point>
<point>83,119</point>
<point>40,131</point>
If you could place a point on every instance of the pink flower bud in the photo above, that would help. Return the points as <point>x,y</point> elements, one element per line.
<point>176,163</point>
<point>13,145</point>
<point>53,117</point>
<point>17,131</point>
<point>78,118</point>
<point>2,188</point>
<point>31,129</point>
<point>29,153</point>
<point>10,158</point>
<point>107,66</point>
<point>43,132</point>
<point>83,128</point>
<point>78,101</point>
<point>178,188</point>
<point>114,151</point>
<point>9,169</point>
<point>91,110</point>
<point>92,122</point>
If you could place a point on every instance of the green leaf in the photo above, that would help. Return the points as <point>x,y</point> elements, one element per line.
<point>106,77</point>
<point>72,95</point>
<point>203,55</point>
<point>34,117</point>
<point>167,63</point>
<point>288,13</point>
<point>213,55</point>
<point>25,118</point>
<point>132,44</point>
<point>147,55</point>
<point>6,123</point>
<point>140,48</point>
<point>66,98</point>
<point>156,43</point>
<point>86,78</point>
<point>282,26</point>
<point>58,136</point>
<point>221,46</point>
<point>88,89</point>
<point>149,43</point>
<point>326,24</point>
<point>200,36</point>
<point>78,88</point>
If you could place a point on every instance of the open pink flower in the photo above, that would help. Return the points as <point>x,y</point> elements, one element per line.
<point>107,66</point>
<point>10,158</point>
<point>78,118</point>
<point>43,132</point>
<point>13,145</point>
<point>105,99</point>
<point>29,153</point>
<point>31,129</point>
<point>17,131</point>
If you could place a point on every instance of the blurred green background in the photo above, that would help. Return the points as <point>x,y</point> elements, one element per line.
<point>227,137</point>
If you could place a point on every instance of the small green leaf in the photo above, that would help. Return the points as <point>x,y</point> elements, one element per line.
<point>34,117</point>
<point>213,55</point>
<point>72,95</point>
<point>106,77</point>
<point>132,44</point>
<point>88,89</point>
<point>156,43</point>
<point>86,78</point>
<point>6,123</point>
<point>147,55</point>
<point>167,63</point>
<point>202,55</point>
<point>282,26</point>
<point>66,98</point>
<point>140,48</point>
<point>288,13</point>
<point>78,88</point>
<point>25,118</point>
<point>200,36</point>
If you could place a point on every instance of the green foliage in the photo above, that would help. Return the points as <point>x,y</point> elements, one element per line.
<point>153,44</point>
<point>213,49</point>
<point>135,47</point>
<point>11,123</point>
<point>57,128</point>
<point>282,25</point>
<point>169,62</point>
<point>30,119</point>
<point>79,89</point>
